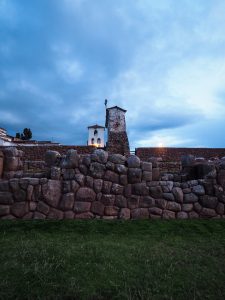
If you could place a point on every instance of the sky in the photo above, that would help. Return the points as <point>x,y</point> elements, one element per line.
<point>161,60</point>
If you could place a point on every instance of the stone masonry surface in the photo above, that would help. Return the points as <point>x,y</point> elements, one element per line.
<point>107,186</point>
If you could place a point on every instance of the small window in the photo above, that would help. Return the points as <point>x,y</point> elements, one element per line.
<point>92,141</point>
<point>95,132</point>
<point>99,141</point>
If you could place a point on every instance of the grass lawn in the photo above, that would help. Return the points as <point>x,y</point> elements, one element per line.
<point>112,260</point>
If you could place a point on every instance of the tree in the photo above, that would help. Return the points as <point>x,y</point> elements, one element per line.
<point>26,135</point>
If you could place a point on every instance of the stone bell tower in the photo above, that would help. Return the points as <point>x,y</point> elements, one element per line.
<point>117,134</point>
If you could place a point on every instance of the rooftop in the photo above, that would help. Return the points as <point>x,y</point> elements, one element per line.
<point>96,126</point>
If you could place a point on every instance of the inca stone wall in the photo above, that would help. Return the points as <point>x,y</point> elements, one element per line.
<point>109,186</point>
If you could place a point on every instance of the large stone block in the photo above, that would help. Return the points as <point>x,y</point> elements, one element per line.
<point>111,211</point>
<point>121,169</point>
<point>52,158</point>
<point>98,183</point>
<point>155,174</point>
<point>178,194</point>
<point>207,213</point>
<point>133,161</point>
<point>55,214</point>
<point>182,215</point>
<point>161,203</point>
<point>106,188</point>
<point>156,191</point>
<point>97,170</point>
<point>146,202</point>
<point>52,192</point>
<point>67,201</point>
<point>97,208</point>
<point>155,211</point>
<point>11,164</point>
<point>71,160</point>
<point>190,198</point>
<point>121,201</point>
<point>198,190</point>
<point>167,214</point>
<point>124,214</point>
<point>169,196</point>
<point>221,177</point>
<point>108,199</point>
<point>111,176</point>
<point>85,215</point>
<point>133,202</point>
<point>146,166</point>
<point>4,210</point>
<point>85,194</point>
<point>147,176</point>
<point>19,209</point>
<point>220,209</point>
<point>134,175</point>
<point>80,207</point>
<point>140,213</point>
<point>123,180</point>
<point>173,206</point>
<point>117,159</point>
<point>100,156</point>
<point>208,201</point>
<point>38,216</point>
<point>4,186</point>
<point>117,189</point>
<point>6,198</point>
<point>20,195</point>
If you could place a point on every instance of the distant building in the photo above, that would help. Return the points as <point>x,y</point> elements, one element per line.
<point>5,139</point>
<point>96,136</point>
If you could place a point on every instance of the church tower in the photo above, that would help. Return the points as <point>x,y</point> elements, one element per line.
<point>117,135</point>
<point>96,136</point>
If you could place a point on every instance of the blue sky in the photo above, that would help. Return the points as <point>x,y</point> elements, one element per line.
<point>162,60</point>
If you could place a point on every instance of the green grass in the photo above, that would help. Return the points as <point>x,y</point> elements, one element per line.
<point>112,260</point>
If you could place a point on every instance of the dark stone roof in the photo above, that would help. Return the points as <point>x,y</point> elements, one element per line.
<point>96,126</point>
<point>117,108</point>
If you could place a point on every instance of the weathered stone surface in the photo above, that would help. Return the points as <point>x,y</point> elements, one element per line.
<point>4,186</point>
<point>147,176</point>
<point>121,169</point>
<point>108,199</point>
<point>139,213</point>
<point>190,198</point>
<point>134,175</point>
<point>187,160</point>
<point>39,216</point>
<point>67,201</point>
<point>80,207</point>
<point>30,190</point>
<point>106,188</point>
<point>178,194</point>
<point>4,210</point>
<point>52,158</point>
<point>156,191</point>
<point>55,214</point>
<point>124,214</point>
<point>117,159</point>
<point>168,196</point>
<point>146,166</point>
<point>12,164</point>
<point>187,190</point>
<point>98,183</point>
<point>97,170</point>
<point>69,215</point>
<point>100,156</point>
<point>110,166</point>
<point>71,160</point>
<point>74,187</point>
<point>97,208</point>
<point>55,173</point>
<point>209,186</point>
<point>86,160</point>
<point>24,182</point>
<point>121,201</point>
<point>85,215</point>
<point>19,209</point>
<point>80,179</point>
<point>221,177</point>
<point>140,189</point>
<point>111,176</point>
<point>52,192</point>
<point>85,194</point>
<point>193,215</point>
<point>128,190</point>
<point>197,207</point>
<point>154,217</point>
<point>146,201</point>
<point>167,214</point>
<point>111,211</point>
<point>68,174</point>
<point>28,216</point>
<point>43,208</point>
<point>155,174</point>
<point>123,180</point>
<point>83,169</point>
<point>155,211</point>
<point>89,182</point>
<point>220,209</point>
<point>182,215</point>
<point>174,206</point>
<point>33,206</point>
<point>133,202</point>
<point>161,203</point>
<point>117,189</point>
<point>133,161</point>
<point>20,195</point>
<point>187,207</point>
<point>198,190</point>
<point>208,201</point>
<point>207,212</point>
<point>6,198</point>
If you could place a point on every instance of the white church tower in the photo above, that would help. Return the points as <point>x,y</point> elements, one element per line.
<point>96,136</point>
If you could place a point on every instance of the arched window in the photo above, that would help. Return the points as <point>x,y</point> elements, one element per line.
<point>95,132</point>
<point>92,141</point>
<point>99,141</point>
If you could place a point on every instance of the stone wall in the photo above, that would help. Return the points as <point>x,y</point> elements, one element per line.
<point>37,153</point>
<point>174,154</point>
<point>108,186</point>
